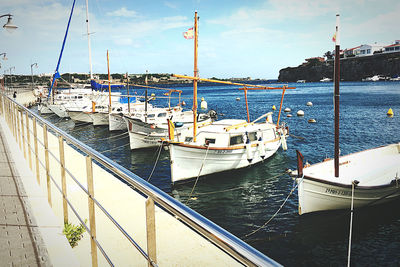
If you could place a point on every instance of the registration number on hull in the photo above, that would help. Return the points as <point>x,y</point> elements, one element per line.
<point>337,192</point>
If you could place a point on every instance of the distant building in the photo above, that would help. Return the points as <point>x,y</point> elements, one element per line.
<point>395,47</point>
<point>368,49</point>
<point>351,52</point>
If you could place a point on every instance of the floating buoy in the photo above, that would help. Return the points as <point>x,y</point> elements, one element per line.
<point>273,107</point>
<point>287,110</point>
<point>237,98</point>
<point>312,121</point>
<point>289,115</point>
<point>390,112</point>
<point>183,103</point>
<point>203,103</point>
<point>309,104</point>
<point>300,113</point>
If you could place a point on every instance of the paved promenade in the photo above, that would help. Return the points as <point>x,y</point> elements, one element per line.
<point>26,239</point>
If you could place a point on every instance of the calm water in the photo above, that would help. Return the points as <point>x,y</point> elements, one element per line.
<point>243,200</point>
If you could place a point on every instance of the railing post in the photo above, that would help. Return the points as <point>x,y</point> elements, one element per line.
<point>28,135</point>
<point>13,119</point>
<point>35,141</point>
<point>63,179</point>
<point>151,231</point>
<point>23,133</point>
<point>46,155</point>
<point>18,129</point>
<point>92,218</point>
<point>1,104</point>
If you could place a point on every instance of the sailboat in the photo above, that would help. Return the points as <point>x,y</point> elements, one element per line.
<point>364,178</point>
<point>226,144</point>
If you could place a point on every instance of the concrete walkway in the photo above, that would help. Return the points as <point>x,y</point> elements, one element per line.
<point>30,234</point>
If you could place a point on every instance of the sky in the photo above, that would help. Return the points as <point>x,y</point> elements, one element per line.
<point>237,38</point>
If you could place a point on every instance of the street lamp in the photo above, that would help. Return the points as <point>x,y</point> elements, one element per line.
<point>9,26</point>
<point>34,64</point>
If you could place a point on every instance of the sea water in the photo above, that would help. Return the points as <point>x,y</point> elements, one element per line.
<point>242,201</point>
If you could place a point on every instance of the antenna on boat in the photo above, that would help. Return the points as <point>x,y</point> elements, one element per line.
<point>336,94</point>
<point>88,36</point>
<point>195,74</point>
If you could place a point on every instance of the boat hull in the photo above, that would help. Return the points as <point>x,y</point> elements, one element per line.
<point>43,108</point>
<point>316,196</point>
<point>99,118</point>
<point>116,122</point>
<point>214,160</point>
<point>80,116</point>
<point>59,110</point>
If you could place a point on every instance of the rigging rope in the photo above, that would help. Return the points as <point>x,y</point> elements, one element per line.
<point>201,168</point>
<point>276,213</point>
<point>111,149</point>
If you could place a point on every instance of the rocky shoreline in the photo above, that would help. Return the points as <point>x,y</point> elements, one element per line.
<point>351,69</point>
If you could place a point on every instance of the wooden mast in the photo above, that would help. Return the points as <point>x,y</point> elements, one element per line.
<point>127,92</point>
<point>195,72</point>
<point>336,95</point>
<point>109,84</point>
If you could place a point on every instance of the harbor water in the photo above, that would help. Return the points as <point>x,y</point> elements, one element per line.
<point>242,201</point>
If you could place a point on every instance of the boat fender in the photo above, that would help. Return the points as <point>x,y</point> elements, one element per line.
<point>203,103</point>
<point>248,148</point>
<point>283,141</point>
<point>261,148</point>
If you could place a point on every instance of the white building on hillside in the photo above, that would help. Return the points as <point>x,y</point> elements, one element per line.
<point>368,49</point>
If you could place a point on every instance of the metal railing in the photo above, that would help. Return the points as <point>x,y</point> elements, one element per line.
<point>14,114</point>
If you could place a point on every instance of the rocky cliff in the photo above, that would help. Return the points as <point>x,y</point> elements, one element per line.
<point>351,69</point>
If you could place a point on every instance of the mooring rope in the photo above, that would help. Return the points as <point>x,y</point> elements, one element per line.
<point>155,164</point>
<point>351,222</point>
<point>201,168</point>
<point>114,148</point>
<point>276,213</point>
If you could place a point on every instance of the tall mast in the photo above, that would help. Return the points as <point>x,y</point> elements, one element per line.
<point>88,37</point>
<point>109,83</point>
<point>336,94</point>
<point>196,74</point>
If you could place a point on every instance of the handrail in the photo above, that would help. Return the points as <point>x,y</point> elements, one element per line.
<point>229,243</point>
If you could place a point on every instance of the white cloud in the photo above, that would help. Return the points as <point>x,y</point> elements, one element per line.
<point>123,12</point>
<point>170,5</point>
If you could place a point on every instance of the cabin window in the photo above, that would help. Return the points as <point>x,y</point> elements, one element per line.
<point>151,115</point>
<point>188,139</point>
<point>80,97</point>
<point>162,115</point>
<point>235,140</point>
<point>252,136</point>
<point>209,141</point>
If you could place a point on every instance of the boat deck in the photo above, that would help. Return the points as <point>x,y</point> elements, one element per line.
<point>373,167</point>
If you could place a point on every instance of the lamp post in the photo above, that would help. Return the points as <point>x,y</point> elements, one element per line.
<point>10,69</point>
<point>36,65</point>
<point>9,26</point>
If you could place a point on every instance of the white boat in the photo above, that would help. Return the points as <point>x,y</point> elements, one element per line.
<point>365,178</point>
<point>116,120</point>
<point>376,173</point>
<point>147,128</point>
<point>300,81</point>
<point>324,80</point>
<point>224,145</point>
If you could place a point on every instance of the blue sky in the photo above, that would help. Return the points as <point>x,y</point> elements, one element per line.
<point>236,38</point>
